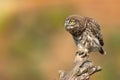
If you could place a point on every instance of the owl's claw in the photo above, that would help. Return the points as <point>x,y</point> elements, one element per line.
<point>82,54</point>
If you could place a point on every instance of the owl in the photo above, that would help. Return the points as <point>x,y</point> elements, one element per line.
<point>86,33</point>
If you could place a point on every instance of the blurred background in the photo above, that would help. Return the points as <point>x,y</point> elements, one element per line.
<point>34,44</point>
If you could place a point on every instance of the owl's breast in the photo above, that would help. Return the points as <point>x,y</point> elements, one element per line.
<point>87,40</point>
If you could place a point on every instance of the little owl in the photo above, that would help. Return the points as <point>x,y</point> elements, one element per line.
<point>86,34</point>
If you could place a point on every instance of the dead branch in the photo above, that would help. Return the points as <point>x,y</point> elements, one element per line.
<point>82,69</point>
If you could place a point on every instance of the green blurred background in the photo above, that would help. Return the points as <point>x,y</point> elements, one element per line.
<point>34,44</point>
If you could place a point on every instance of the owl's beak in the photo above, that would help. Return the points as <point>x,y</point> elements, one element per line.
<point>66,23</point>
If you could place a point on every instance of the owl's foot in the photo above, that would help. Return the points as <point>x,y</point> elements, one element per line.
<point>82,54</point>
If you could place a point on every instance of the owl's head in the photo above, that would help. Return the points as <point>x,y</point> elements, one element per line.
<point>74,23</point>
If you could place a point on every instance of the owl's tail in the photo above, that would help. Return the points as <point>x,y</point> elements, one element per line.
<point>102,51</point>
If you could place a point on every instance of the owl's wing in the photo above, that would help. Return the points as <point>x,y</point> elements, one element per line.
<point>95,29</point>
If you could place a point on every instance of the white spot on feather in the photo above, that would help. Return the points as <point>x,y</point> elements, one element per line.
<point>90,38</point>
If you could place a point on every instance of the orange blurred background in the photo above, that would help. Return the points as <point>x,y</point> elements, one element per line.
<point>34,44</point>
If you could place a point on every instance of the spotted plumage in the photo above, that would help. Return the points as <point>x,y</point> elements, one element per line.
<point>86,33</point>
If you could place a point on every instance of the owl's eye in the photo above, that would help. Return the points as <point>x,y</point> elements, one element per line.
<point>71,22</point>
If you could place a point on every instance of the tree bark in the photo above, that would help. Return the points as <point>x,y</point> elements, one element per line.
<point>82,69</point>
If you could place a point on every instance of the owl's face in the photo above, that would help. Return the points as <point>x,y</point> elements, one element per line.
<point>75,24</point>
<point>71,23</point>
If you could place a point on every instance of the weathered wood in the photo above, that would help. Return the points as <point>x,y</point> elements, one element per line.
<point>82,69</point>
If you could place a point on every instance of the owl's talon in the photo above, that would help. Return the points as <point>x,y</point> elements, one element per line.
<point>82,54</point>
